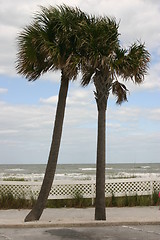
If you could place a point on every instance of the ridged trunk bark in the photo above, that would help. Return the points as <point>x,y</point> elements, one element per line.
<point>40,204</point>
<point>100,205</point>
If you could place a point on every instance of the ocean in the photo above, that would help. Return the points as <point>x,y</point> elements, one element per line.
<point>72,172</point>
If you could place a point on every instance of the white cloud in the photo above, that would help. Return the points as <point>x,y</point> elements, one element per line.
<point>26,131</point>
<point>133,114</point>
<point>3,90</point>
<point>154,114</point>
<point>8,131</point>
<point>76,96</point>
<point>50,100</point>
<point>124,114</point>
<point>153,79</point>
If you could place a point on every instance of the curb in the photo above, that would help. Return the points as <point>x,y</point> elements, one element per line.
<point>77,224</point>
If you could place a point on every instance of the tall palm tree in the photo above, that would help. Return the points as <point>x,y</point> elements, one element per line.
<point>104,63</point>
<point>48,44</point>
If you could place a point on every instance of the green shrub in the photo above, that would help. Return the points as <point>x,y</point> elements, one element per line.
<point>69,203</point>
<point>79,201</point>
<point>8,200</point>
<point>155,198</point>
<point>14,179</point>
<point>130,201</point>
<point>145,201</point>
<point>109,202</point>
<point>114,202</point>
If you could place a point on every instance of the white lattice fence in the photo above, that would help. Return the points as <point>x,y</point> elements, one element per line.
<point>69,190</point>
<point>129,187</point>
<point>156,185</point>
<point>19,188</point>
<point>61,190</point>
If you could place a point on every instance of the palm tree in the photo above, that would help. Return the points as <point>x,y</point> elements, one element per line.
<point>48,44</point>
<point>104,63</point>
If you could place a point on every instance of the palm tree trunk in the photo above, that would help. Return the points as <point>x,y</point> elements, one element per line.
<point>100,212</point>
<point>40,204</point>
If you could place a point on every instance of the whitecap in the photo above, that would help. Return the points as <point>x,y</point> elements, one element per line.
<point>15,169</point>
<point>145,167</point>
<point>88,169</point>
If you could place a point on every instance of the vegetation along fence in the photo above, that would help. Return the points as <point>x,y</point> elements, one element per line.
<point>68,190</point>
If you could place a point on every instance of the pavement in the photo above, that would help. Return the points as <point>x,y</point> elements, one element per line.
<point>81,217</point>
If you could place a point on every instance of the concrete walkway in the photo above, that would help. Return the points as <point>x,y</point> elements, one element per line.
<point>69,217</point>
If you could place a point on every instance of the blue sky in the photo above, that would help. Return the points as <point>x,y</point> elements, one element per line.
<point>28,108</point>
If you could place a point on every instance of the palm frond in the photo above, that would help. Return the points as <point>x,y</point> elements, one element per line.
<point>50,41</point>
<point>120,91</point>
<point>97,47</point>
<point>133,63</point>
<point>32,59</point>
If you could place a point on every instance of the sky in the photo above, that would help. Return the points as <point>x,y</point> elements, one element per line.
<point>27,109</point>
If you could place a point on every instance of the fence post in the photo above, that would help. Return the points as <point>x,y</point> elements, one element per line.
<point>92,190</point>
<point>151,189</point>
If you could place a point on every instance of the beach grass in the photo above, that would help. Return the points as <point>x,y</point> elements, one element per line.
<point>129,201</point>
<point>14,179</point>
<point>9,201</point>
